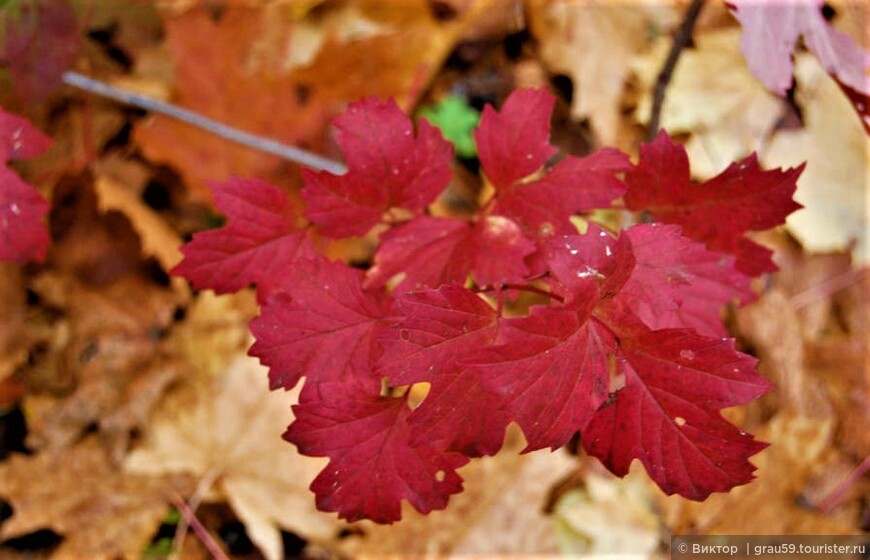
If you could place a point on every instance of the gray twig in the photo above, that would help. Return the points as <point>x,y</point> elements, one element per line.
<point>291,153</point>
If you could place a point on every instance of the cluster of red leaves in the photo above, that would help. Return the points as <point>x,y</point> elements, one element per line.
<point>630,351</point>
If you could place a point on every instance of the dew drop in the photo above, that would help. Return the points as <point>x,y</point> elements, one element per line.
<point>607,251</point>
<point>440,476</point>
<point>15,209</point>
<point>602,234</point>
<point>546,229</point>
<point>573,251</point>
<point>687,355</point>
<point>529,156</point>
<point>680,421</point>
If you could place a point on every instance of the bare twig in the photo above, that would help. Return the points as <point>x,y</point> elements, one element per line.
<point>836,496</point>
<point>204,536</point>
<point>682,38</point>
<point>267,145</point>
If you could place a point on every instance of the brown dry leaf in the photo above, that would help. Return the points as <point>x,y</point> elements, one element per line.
<point>104,319</point>
<point>157,238</point>
<point>501,511</point>
<point>594,43</point>
<point>15,341</point>
<point>213,77</point>
<point>835,185</point>
<point>102,512</point>
<point>264,69</point>
<point>713,96</point>
<point>228,434</point>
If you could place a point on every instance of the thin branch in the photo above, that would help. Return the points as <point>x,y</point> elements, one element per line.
<point>682,38</point>
<point>204,536</point>
<point>267,145</point>
<point>836,496</point>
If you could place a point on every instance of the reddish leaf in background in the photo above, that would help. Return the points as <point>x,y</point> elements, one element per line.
<point>439,329</point>
<point>23,236</point>
<point>387,166</point>
<point>770,34</point>
<point>42,40</point>
<point>676,282</point>
<point>667,415</point>
<point>373,466</point>
<point>259,245</point>
<point>514,143</point>
<point>551,370</point>
<point>323,328</point>
<point>574,185</point>
<point>717,212</point>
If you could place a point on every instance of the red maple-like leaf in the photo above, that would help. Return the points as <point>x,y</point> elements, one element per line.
<point>514,143</point>
<point>770,34</point>
<point>677,282</point>
<point>717,212</point>
<point>438,331</point>
<point>23,236</point>
<point>550,370</point>
<point>666,279</point>
<point>667,414</point>
<point>387,167</point>
<point>433,251</point>
<point>42,40</point>
<point>373,463</point>
<point>578,184</point>
<point>259,245</point>
<point>323,328</point>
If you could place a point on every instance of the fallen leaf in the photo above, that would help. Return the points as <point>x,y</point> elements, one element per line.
<point>227,432</point>
<point>15,341</point>
<point>834,187</point>
<point>713,96</point>
<point>102,512</point>
<point>594,42</point>
<point>608,515</point>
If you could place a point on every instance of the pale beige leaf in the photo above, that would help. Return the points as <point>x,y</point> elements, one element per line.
<point>834,186</point>
<point>230,432</point>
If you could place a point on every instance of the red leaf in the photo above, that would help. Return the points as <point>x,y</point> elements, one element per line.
<point>770,34</point>
<point>387,166</point>
<point>19,139</point>
<point>676,282</point>
<point>259,245</point>
<point>717,212</point>
<point>514,143</point>
<point>667,415</point>
<point>438,331</point>
<point>434,251</point>
<point>23,236</point>
<point>574,185</point>
<point>438,328</point>
<point>429,251</point>
<point>42,40</point>
<point>551,370</point>
<point>324,328</point>
<point>373,464</point>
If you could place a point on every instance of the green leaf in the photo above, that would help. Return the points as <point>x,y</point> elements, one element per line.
<point>457,120</point>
